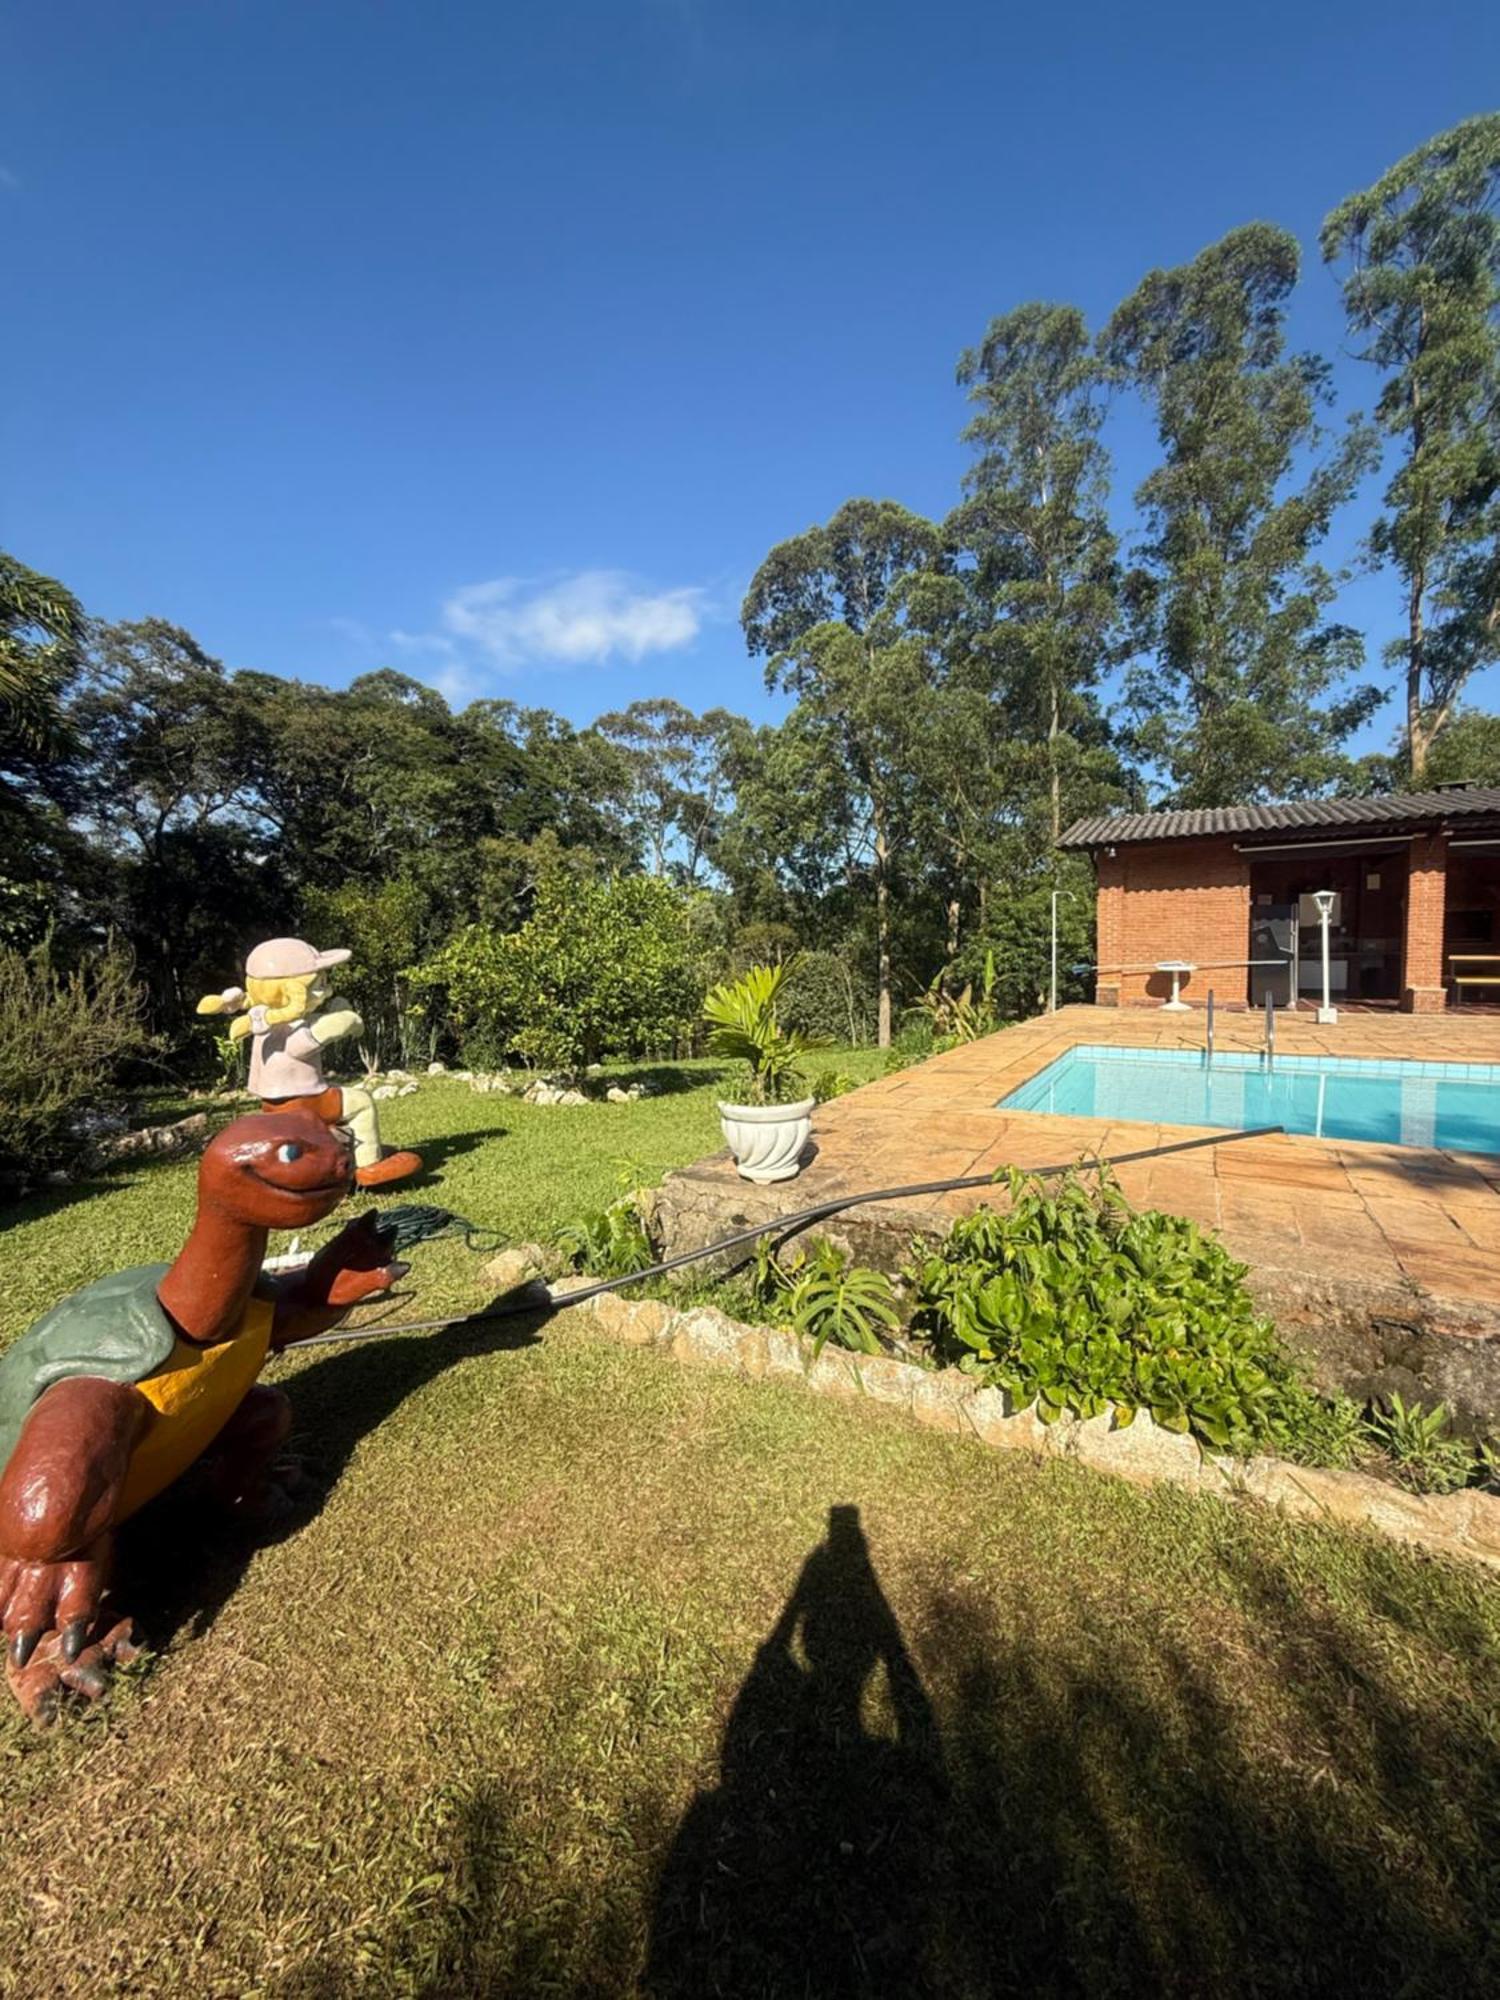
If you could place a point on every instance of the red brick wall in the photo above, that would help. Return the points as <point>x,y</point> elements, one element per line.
<point>1422,989</point>
<point>1174,899</point>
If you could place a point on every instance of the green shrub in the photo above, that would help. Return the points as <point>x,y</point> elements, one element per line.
<point>1320,1430</point>
<point>64,1038</point>
<point>963,1015</point>
<point>381,923</point>
<point>1073,1298</point>
<point>822,1002</point>
<point>599,968</point>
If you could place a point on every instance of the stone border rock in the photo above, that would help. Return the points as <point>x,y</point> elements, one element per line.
<point>1465,1524</point>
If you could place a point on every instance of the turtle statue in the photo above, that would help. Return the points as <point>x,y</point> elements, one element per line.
<point>112,1395</point>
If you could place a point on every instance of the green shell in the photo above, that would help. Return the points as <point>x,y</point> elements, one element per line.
<point>113,1328</point>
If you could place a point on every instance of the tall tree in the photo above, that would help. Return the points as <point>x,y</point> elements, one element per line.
<point>1422,293</point>
<point>678,784</point>
<point>1044,572</point>
<point>828,610</point>
<point>41,633</point>
<point>44,863</point>
<point>1234,690</point>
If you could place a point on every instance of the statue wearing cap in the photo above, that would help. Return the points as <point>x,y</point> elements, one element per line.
<point>288,1009</point>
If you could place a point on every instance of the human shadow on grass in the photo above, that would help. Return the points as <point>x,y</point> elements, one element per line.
<point>806,1869</point>
<point>1103,1813</point>
<point>1044,1806</point>
<point>182,1560</point>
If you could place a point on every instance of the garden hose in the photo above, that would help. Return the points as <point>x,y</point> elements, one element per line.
<point>780,1226</point>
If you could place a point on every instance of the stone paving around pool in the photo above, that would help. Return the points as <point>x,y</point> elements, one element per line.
<point>1381,1262</point>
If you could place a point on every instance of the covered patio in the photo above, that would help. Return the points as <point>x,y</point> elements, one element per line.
<point>1230,898</point>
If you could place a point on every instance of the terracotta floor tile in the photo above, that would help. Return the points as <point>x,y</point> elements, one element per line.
<point>1417,1222</point>
<point>1464,1274</point>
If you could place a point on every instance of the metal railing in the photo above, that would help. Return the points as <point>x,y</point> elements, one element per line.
<point>1268,1053</point>
<point>1208,1043</point>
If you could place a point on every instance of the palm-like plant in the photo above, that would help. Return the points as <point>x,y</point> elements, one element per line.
<point>745,1026</point>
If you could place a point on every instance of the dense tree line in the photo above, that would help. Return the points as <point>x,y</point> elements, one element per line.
<point>949,681</point>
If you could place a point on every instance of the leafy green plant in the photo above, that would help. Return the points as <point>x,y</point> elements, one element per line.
<point>830,1298</point>
<point>1320,1430</point>
<point>961,1017</point>
<point>824,1297</point>
<point>1073,1298</point>
<point>831,1083</point>
<point>233,1058</point>
<point>1421,1447</point>
<point>744,1022</point>
<point>824,1001</point>
<point>613,1242</point>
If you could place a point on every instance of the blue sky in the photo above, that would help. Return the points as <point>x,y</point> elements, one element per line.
<point>499,343</point>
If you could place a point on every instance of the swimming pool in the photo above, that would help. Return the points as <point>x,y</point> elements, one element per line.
<point>1452,1106</point>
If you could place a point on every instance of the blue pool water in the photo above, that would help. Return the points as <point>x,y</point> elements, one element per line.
<point>1453,1106</point>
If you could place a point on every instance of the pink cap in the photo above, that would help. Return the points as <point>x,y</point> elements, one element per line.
<point>289,958</point>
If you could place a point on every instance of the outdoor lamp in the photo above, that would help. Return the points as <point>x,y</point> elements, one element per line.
<point>1325,900</point>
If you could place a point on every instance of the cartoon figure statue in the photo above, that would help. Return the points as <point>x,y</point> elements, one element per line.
<point>291,1020</point>
<point>113,1394</point>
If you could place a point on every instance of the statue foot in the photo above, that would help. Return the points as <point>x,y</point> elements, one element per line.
<point>392,1167</point>
<point>74,1660</point>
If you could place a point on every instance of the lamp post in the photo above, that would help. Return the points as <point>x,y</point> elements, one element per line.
<point>1325,900</point>
<point>1052,1000</point>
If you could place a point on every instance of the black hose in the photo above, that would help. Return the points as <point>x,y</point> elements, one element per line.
<point>781,1227</point>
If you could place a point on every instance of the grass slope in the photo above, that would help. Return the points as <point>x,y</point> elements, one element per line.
<point>593,1674</point>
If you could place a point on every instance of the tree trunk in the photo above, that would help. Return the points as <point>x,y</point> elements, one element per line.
<point>1053,728</point>
<point>882,938</point>
<point>1417,731</point>
<point>1418,736</point>
<point>953,914</point>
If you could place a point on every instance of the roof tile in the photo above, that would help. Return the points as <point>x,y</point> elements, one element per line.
<point>1379,809</point>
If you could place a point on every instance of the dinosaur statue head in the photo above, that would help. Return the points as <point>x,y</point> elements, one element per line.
<point>277,1169</point>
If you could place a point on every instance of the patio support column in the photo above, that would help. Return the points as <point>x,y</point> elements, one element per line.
<point>1109,944</point>
<point>1422,988</point>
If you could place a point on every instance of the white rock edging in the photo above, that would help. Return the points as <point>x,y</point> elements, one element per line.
<point>1465,1524</point>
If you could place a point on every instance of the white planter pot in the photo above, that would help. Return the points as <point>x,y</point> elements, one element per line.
<point>767,1139</point>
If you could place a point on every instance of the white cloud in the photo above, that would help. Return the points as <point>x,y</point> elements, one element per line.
<point>573,618</point>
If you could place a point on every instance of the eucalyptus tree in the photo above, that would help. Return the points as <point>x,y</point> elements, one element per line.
<point>679,791</point>
<point>1238,685</point>
<point>834,613</point>
<point>1044,578</point>
<point>1421,256</point>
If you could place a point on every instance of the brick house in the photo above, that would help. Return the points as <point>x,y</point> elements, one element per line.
<point>1228,891</point>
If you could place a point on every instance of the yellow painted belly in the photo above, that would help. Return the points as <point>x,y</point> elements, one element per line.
<point>193,1397</point>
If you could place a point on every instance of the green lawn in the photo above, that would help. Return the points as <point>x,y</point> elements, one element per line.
<point>586,1672</point>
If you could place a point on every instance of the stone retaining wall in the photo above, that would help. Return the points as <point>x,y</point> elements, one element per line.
<point>1463,1524</point>
<point>1365,1339</point>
